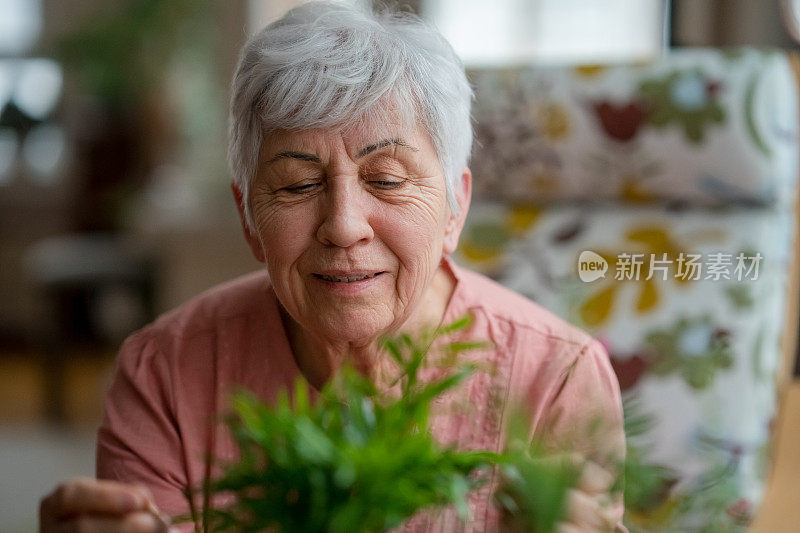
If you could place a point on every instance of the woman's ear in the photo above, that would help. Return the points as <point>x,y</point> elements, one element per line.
<point>456,222</point>
<point>251,238</point>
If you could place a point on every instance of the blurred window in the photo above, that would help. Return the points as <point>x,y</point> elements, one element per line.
<point>551,31</point>
<point>31,145</point>
<point>20,24</point>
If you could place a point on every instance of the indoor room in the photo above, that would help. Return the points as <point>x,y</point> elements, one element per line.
<point>252,226</point>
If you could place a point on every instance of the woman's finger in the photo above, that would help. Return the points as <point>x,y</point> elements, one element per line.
<point>586,511</point>
<point>89,496</point>
<point>139,522</point>
<point>595,479</point>
<point>564,527</point>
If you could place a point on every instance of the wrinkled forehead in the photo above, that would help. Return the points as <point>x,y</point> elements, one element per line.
<point>380,126</point>
<point>390,114</point>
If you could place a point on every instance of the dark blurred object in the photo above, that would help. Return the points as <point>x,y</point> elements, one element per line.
<point>725,23</point>
<point>98,288</point>
<point>114,163</point>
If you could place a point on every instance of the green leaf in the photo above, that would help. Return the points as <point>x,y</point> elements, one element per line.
<point>460,324</point>
<point>313,445</point>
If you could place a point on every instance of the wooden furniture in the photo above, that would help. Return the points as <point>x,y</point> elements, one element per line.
<point>780,508</point>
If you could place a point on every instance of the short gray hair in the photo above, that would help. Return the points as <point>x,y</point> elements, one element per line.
<point>330,64</point>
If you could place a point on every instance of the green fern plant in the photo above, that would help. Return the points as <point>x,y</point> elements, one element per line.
<point>355,460</point>
<point>359,460</point>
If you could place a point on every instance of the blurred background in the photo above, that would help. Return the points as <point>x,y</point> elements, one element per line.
<point>114,193</point>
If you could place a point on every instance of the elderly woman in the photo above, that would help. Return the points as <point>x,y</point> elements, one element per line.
<point>349,140</point>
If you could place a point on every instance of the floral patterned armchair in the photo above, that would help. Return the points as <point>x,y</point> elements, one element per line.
<point>655,205</point>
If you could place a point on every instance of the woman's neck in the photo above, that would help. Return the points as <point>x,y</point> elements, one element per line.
<point>319,358</point>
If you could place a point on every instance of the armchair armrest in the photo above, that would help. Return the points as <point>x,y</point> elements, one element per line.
<point>780,509</point>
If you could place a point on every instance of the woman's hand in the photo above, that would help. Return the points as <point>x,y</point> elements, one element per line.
<point>88,505</point>
<point>589,505</point>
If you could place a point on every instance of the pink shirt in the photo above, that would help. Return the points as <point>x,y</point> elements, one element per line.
<point>174,377</point>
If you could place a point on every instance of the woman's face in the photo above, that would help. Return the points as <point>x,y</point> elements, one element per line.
<point>352,227</point>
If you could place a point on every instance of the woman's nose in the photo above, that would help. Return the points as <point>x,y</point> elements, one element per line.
<point>345,220</point>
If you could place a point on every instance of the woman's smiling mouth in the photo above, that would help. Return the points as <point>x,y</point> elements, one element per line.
<point>347,278</point>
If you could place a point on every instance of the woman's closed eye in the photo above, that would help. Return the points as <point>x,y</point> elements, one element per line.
<point>303,187</point>
<point>382,182</point>
<point>386,183</point>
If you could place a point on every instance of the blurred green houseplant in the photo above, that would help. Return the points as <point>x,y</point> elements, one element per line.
<point>122,53</point>
<point>152,76</point>
<point>359,460</point>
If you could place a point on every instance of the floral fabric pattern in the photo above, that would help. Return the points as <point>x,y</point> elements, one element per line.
<point>699,352</point>
<point>685,97</point>
<point>698,127</point>
<point>653,205</point>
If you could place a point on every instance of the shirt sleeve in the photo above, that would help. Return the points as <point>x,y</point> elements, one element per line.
<point>138,440</point>
<point>584,414</point>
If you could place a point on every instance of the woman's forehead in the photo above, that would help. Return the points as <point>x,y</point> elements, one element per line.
<point>356,140</point>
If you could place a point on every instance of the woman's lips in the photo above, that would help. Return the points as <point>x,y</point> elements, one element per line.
<point>347,284</point>
<point>349,277</point>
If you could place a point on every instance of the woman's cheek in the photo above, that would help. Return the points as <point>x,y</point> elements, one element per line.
<point>283,228</point>
<point>418,260</point>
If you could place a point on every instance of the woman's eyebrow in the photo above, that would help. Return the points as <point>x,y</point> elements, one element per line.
<point>383,144</point>
<point>302,156</point>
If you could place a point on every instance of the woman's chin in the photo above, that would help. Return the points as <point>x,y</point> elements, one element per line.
<point>356,329</point>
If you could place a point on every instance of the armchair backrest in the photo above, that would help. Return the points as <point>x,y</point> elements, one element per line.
<point>691,156</point>
<point>702,127</point>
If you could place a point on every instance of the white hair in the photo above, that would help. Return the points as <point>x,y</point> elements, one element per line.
<point>333,65</point>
